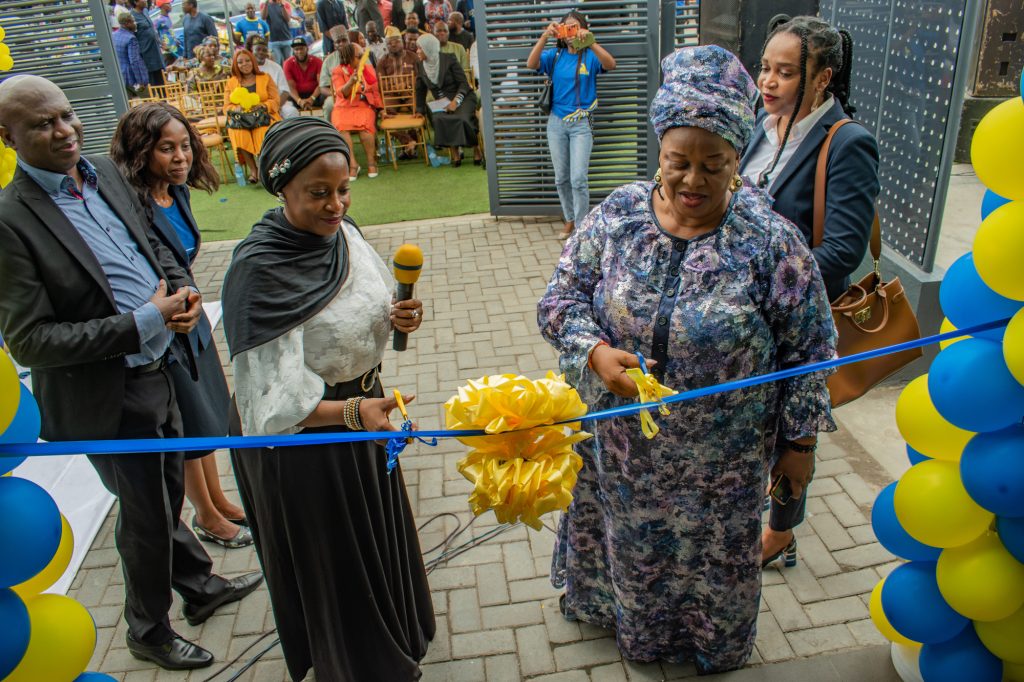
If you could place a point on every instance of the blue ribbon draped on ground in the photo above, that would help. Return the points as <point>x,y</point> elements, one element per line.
<point>143,445</point>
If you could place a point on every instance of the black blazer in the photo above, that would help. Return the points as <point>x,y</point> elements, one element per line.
<point>57,312</point>
<point>849,203</point>
<point>398,15</point>
<point>331,13</point>
<point>451,81</point>
<point>202,335</point>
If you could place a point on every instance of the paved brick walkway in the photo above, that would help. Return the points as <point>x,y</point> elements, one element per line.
<point>497,614</point>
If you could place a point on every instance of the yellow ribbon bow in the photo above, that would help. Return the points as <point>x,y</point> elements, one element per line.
<point>650,390</point>
<point>527,468</point>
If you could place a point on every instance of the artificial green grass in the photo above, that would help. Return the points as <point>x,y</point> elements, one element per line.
<point>414,191</point>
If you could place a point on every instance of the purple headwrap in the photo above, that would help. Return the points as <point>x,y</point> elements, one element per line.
<point>705,87</point>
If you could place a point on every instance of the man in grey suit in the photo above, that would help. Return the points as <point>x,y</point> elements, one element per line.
<point>149,42</point>
<point>98,308</point>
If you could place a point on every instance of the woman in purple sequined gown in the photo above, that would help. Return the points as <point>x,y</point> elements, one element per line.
<point>694,271</point>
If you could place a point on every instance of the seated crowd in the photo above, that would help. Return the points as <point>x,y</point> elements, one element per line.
<point>343,86</point>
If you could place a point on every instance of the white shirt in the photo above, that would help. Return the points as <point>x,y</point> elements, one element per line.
<point>760,158</point>
<point>279,383</point>
<point>276,73</point>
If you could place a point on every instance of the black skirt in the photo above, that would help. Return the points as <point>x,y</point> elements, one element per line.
<point>458,128</point>
<point>335,536</point>
<point>204,404</point>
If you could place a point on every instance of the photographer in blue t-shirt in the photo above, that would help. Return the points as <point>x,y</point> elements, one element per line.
<point>572,66</point>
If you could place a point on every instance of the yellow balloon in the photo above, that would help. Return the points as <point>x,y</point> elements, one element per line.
<point>55,569</point>
<point>6,63</point>
<point>1013,672</point>
<point>923,427</point>
<point>62,641</point>
<point>1013,346</point>
<point>1004,638</point>
<point>10,391</point>
<point>946,327</point>
<point>881,622</point>
<point>998,147</point>
<point>981,580</point>
<point>933,506</point>
<point>999,250</point>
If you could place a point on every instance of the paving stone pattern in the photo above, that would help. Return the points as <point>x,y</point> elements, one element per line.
<point>497,614</point>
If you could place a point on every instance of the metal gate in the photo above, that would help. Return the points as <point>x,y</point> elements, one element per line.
<point>911,68</point>
<point>519,175</point>
<point>69,42</point>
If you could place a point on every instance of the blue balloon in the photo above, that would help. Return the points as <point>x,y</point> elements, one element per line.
<point>914,606</point>
<point>95,677</point>
<point>990,202</point>
<point>966,300</point>
<point>992,468</point>
<point>30,530</point>
<point>1011,534</point>
<point>891,534</point>
<point>915,457</point>
<point>971,387</point>
<point>23,429</point>
<point>962,658</point>
<point>14,624</point>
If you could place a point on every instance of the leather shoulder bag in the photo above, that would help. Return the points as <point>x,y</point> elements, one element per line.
<point>544,98</point>
<point>870,314</point>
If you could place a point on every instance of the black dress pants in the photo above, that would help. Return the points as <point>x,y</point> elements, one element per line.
<point>158,552</point>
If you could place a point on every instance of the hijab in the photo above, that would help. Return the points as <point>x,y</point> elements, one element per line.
<point>432,49</point>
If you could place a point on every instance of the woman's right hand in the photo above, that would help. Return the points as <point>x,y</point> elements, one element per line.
<point>610,364</point>
<point>375,412</point>
<point>551,31</point>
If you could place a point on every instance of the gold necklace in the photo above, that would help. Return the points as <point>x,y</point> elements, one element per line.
<point>163,203</point>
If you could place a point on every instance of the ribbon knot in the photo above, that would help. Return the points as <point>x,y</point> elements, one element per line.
<point>649,390</point>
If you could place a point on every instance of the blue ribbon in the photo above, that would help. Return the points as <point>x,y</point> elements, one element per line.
<point>396,446</point>
<point>142,445</point>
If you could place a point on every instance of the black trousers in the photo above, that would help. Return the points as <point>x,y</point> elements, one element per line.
<point>158,552</point>
<point>156,77</point>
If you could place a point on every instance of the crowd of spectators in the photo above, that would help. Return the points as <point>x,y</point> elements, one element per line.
<point>299,81</point>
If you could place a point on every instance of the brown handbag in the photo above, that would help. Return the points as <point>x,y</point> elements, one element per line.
<point>870,314</point>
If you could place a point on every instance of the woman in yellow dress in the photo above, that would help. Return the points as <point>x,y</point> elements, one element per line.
<point>247,142</point>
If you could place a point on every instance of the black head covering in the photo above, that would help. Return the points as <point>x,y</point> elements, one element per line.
<point>293,144</point>
<point>280,276</point>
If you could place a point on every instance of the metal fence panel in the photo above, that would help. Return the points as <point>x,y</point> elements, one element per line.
<point>69,42</point>
<point>911,63</point>
<point>520,176</point>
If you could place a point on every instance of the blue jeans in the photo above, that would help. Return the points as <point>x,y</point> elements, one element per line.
<point>281,49</point>
<point>570,145</point>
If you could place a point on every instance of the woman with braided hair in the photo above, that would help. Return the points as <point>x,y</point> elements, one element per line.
<point>805,84</point>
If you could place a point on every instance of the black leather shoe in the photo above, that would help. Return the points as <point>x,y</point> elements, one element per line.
<point>233,591</point>
<point>177,654</point>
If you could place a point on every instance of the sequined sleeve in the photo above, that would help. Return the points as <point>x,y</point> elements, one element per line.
<point>799,313</point>
<point>565,313</point>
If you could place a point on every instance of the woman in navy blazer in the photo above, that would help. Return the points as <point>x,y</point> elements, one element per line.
<point>161,155</point>
<point>805,83</point>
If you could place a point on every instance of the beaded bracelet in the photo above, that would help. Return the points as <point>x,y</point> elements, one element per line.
<point>350,414</point>
<point>799,447</point>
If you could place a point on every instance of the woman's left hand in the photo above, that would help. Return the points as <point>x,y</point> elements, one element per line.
<point>406,316</point>
<point>798,467</point>
<point>452,106</point>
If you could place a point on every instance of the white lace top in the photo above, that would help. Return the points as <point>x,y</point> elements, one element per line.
<point>279,383</point>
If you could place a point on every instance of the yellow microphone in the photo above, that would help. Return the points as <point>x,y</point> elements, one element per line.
<point>408,263</point>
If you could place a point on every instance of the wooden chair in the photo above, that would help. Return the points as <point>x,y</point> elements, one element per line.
<point>399,113</point>
<point>172,93</point>
<point>212,127</point>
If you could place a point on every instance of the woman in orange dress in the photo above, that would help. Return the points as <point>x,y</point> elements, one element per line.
<point>356,114</point>
<point>248,142</point>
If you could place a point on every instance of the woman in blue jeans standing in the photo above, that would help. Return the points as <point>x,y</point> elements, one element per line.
<point>572,66</point>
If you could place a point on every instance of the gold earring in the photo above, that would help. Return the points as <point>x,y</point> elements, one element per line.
<point>657,177</point>
<point>737,183</point>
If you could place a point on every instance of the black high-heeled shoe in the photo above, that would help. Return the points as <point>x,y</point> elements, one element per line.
<point>788,554</point>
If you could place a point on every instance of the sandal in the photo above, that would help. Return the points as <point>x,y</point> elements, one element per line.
<point>372,172</point>
<point>352,178</point>
<point>567,230</point>
<point>252,180</point>
<point>243,538</point>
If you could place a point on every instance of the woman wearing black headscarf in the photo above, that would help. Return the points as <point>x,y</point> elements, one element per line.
<point>307,313</point>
